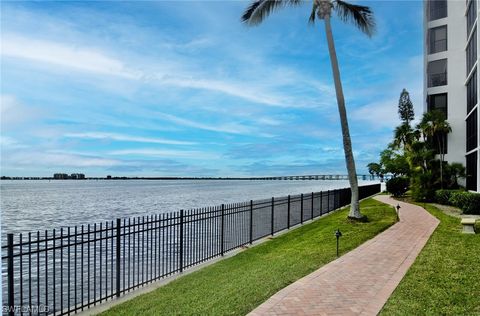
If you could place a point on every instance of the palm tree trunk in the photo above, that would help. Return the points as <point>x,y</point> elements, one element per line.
<point>347,143</point>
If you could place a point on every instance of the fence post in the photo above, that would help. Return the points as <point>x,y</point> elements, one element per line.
<point>251,222</point>
<point>328,201</point>
<point>301,208</point>
<point>181,240</point>
<point>11,294</point>
<point>321,203</point>
<point>311,217</point>
<point>288,212</point>
<point>118,257</point>
<point>273,215</point>
<point>223,230</point>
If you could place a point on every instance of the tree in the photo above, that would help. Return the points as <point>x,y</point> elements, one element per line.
<point>394,163</point>
<point>363,19</point>
<point>405,108</point>
<point>375,169</point>
<point>404,136</point>
<point>435,128</point>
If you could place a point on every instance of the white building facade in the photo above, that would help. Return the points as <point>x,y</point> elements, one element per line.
<point>450,81</point>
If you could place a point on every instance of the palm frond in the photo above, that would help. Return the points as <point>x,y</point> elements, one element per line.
<point>260,9</point>
<point>361,16</point>
<point>311,19</point>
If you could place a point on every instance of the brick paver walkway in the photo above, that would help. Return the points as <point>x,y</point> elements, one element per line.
<point>361,281</point>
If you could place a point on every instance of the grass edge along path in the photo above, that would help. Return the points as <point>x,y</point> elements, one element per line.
<point>237,285</point>
<point>445,277</point>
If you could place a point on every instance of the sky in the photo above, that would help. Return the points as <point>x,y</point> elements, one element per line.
<point>183,88</point>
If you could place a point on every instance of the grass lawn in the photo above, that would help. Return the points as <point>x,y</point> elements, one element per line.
<point>237,285</point>
<point>445,278</point>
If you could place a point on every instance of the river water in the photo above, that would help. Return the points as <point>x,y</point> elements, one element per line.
<point>39,205</point>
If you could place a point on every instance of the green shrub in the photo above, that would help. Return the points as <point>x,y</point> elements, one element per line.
<point>397,186</point>
<point>444,196</point>
<point>468,202</point>
<point>422,187</point>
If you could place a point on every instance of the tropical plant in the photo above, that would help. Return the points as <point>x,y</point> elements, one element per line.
<point>363,19</point>
<point>394,162</point>
<point>435,128</point>
<point>404,136</point>
<point>456,170</point>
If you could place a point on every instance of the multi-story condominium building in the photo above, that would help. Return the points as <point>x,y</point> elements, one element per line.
<point>450,82</point>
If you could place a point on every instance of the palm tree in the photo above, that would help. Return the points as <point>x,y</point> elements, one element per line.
<point>435,127</point>
<point>363,19</point>
<point>404,137</point>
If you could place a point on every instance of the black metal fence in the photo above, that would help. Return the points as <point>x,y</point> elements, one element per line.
<point>68,270</point>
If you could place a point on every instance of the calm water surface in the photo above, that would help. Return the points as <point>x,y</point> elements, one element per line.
<point>39,205</point>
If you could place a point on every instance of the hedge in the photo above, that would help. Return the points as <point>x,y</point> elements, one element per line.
<point>468,202</point>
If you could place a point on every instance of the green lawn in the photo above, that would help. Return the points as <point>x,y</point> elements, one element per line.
<point>445,278</point>
<point>237,285</point>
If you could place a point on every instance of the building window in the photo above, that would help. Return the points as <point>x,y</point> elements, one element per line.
<point>438,39</point>
<point>472,131</point>
<point>471,15</point>
<point>438,102</point>
<point>437,73</point>
<point>437,9</point>
<point>472,171</point>
<point>472,51</point>
<point>472,92</point>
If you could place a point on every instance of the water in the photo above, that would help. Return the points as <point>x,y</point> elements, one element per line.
<point>39,205</point>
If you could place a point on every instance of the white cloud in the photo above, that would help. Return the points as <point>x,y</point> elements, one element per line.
<point>64,55</point>
<point>48,159</point>
<point>13,112</point>
<point>165,153</point>
<point>127,138</point>
<point>177,72</point>
<point>378,114</point>
<point>7,142</point>
<point>231,128</point>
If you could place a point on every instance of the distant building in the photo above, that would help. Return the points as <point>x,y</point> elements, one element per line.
<point>77,176</point>
<point>60,176</point>
<point>109,177</point>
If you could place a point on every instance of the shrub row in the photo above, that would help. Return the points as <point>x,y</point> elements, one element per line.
<point>468,202</point>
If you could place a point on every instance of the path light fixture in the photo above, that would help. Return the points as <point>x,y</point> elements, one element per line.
<point>398,211</point>
<point>338,234</point>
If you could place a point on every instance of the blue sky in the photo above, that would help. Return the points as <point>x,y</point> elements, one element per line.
<point>180,88</point>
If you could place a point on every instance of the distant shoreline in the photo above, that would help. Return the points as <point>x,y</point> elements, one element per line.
<point>304,177</point>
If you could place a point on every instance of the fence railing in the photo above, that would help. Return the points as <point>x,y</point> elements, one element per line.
<point>68,270</point>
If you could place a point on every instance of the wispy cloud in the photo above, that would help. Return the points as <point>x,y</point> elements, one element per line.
<point>164,153</point>
<point>238,100</point>
<point>96,61</point>
<point>127,138</point>
<point>63,55</point>
<point>231,128</point>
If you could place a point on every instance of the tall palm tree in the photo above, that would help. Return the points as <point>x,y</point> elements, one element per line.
<point>363,19</point>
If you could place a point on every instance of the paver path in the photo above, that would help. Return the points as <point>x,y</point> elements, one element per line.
<point>359,282</point>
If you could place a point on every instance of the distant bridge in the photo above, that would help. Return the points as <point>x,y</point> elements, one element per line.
<point>313,177</point>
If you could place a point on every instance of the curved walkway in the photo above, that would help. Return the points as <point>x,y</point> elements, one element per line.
<point>361,281</point>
